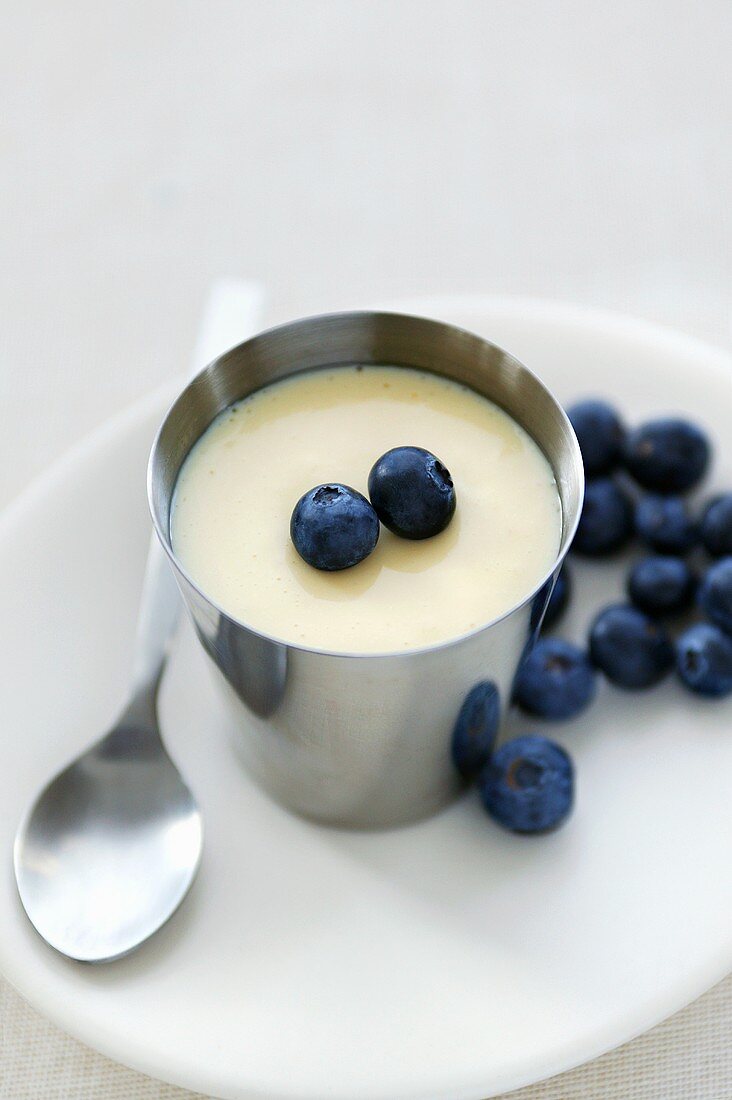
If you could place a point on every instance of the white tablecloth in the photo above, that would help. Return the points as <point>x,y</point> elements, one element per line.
<point>345,152</point>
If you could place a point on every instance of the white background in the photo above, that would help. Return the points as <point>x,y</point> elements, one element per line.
<point>345,153</point>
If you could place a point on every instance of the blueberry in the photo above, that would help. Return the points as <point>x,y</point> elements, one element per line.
<point>665,524</point>
<point>476,729</point>
<point>412,492</point>
<point>661,585</point>
<point>668,455</point>
<point>333,527</point>
<point>528,785</point>
<point>715,594</point>
<point>555,680</point>
<point>606,522</point>
<point>558,600</point>
<point>632,650</point>
<point>716,526</point>
<point>600,434</point>
<point>704,660</point>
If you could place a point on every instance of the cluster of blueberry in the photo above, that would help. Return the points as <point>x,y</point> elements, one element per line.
<point>635,479</point>
<point>334,526</point>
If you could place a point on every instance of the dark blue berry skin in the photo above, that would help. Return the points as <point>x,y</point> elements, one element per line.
<point>556,680</point>
<point>665,524</point>
<point>668,455</point>
<point>333,527</point>
<point>600,434</point>
<point>630,648</point>
<point>716,526</point>
<point>412,492</point>
<point>715,594</point>
<point>528,785</point>
<point>661,585</point>
<point>704,660</point>
<point>558,600</point>
<point>476,729</point>
<point>606,522</point>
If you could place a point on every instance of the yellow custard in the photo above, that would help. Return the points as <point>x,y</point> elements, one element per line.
<point>230,521</point>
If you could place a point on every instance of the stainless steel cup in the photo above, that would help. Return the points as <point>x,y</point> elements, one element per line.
<point>347,738</point>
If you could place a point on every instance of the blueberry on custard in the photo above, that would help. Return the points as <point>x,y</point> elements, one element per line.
<point>333,527</point>
<point>412,492</point>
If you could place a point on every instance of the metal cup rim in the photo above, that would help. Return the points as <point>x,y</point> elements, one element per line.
<point>568,530</point>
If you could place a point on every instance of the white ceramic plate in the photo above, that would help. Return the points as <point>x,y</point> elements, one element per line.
<point>447,959</point>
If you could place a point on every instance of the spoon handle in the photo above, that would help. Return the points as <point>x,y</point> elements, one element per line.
<point>157,619</point>
<point>232,314</point>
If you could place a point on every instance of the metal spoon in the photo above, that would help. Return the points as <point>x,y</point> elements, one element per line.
<point>110,847</point>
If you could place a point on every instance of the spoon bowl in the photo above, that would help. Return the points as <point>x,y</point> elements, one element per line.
<point>110,847</point>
